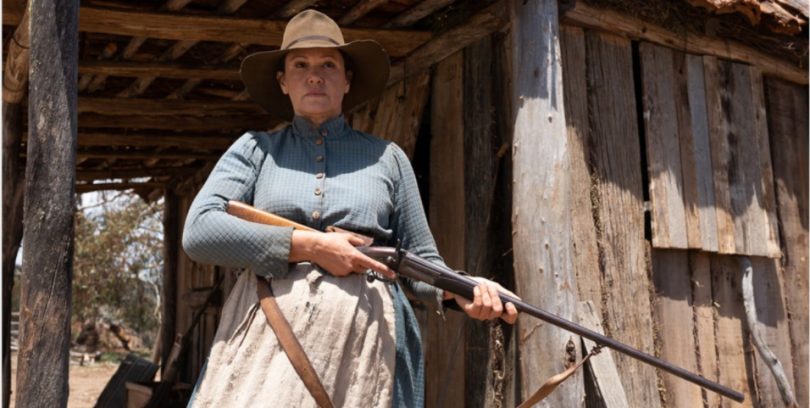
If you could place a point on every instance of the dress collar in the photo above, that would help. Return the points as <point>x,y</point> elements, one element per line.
<point>332,128</point>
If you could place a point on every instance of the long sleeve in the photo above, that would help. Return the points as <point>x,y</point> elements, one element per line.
<point>410,225</point>
<point>213,236</point>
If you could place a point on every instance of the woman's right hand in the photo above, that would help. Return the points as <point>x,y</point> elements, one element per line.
<point>335,252</point>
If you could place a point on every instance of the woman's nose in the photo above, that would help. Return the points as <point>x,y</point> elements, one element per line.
<point>314,77</point>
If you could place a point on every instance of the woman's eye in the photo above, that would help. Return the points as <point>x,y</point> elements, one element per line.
<point>300,64</point>
<point>329,64</point>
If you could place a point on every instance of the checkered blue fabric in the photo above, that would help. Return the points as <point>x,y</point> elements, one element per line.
<point>332,175</point>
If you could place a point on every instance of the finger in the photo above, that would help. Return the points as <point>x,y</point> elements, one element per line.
<point>355,240</point>
<point>379,267</point>
<point>511,314</point>
<point>497,305</point>
<point>473,309</point>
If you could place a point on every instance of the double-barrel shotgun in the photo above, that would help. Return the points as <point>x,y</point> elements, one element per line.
<point>414,267</point>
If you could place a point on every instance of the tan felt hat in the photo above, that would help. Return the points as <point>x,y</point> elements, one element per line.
<point>312,29</point>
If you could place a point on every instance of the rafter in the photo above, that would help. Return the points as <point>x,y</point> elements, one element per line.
<point>163,107</point>
<point>144,154</point>
<point>159,69</point>
<point>134,172</point>
<point>88,187</point>
<point>177,123</point>
<point>155,140</point>
<point>417,12</point>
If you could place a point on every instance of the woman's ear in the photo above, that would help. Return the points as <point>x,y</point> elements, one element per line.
<point>349,75</point>
<point>281,82</point>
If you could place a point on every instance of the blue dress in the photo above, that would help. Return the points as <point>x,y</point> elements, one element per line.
<point>332,175</point>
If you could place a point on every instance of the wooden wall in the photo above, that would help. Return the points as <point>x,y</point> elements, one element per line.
<point>681,164</point>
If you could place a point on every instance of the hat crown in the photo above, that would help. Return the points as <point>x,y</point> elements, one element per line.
<point>311,28</point>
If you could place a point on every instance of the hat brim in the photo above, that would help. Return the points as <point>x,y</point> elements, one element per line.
<point>369,64</point>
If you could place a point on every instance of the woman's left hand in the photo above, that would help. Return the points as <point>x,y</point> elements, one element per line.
<point>486,303</point>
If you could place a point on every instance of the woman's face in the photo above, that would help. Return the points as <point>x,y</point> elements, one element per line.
<point>316,81</point>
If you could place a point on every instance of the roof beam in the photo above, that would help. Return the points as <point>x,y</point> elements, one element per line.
<point>216,124</point>
<point>144,154</point>
<point>155,140</point>
<point>164,107</point>
<point>127,173</point>
<point>163,70</point>
<point>88,187</point>
<point>173,26</point>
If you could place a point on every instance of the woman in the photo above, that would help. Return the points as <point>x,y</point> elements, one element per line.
<point>362,337</point>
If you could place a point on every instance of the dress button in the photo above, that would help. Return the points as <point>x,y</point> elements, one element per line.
<point>319,141</point>
<point>316,215</point>
<point>324,132</point>
<point>317,191</point>
<point>319,158</point>
<point>319,176</point>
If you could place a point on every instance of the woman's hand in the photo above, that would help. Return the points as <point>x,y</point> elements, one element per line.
<point>335,252</point>
<point>486,304</point>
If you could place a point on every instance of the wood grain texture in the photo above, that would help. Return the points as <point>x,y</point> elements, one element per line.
<point>788,127</point>
<point>663,147</point>
<point>608,387</point>
<point>675,323</point>
<point>444,338</point>
<point>541,217</point>
<point>214,28</point>
<point>632,27</point>
<point>164,107</point>
<point>716,74</point>
<point>586,254</point>
<point>772,323</point>
<point>164,70</point>
<point>696,161</point>
<point>400,111</point>
<point>616,157</point>
<point>734,352</point>
<point>45,290</point>
<point>705,312</point>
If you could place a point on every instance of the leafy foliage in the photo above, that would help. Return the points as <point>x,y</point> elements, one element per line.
<point>117,261</point>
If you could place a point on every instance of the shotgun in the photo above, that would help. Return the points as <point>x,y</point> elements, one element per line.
<point>414,267</point>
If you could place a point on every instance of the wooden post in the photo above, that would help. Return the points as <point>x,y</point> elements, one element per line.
<point>15,85</point>
<point>171,242</point>
<point>45,303</point>
<point>541,217</point>
<point>444,338</point>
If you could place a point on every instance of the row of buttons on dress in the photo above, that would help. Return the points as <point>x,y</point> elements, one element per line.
<point>316,215</point>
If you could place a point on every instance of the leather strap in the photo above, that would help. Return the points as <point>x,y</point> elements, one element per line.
<point>289,343</point>
<point>552,383</point>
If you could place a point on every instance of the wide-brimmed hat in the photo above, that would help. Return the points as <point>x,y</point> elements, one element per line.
<point>311,29</point>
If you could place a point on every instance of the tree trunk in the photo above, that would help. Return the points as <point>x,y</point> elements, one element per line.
<point>42,375</point>
<point>541,215</point>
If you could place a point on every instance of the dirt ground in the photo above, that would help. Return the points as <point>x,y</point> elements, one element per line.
<point>86,382</point>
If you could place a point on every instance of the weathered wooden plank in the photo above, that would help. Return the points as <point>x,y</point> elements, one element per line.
<point>772,322</point>
<point>788,127</point>
<point>733,361</point>
<point>177,123</point>
<point>45,292</point>
<point>217,28</point>
<point>145,154</point>
<point>635,28</point>
<point>716,75</point>
<point>481,164</point>
<point>586,254</point>
<point>147,185</point>
<point>675,323</point>
<point>616,155</point>
<point>417,12</point>
<point>362,118</point>
<point>478,26</point>
<point>663,148</point>
<point>696,162</point>
<point>360,9</point>
<point>159,69</point>
<point>705,312</point>
<point>164,107</point>
<point>689,186</point>
<point>15,70</point>
<point>126,173</point>
<point>167,139</point>
<point>767,199</point>
<point>608,387</point>
<point>541,218</point>
<point>444,339</point>
<point>400,112</point>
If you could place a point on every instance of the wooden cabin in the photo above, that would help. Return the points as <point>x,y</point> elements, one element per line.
<point>615,162</point>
